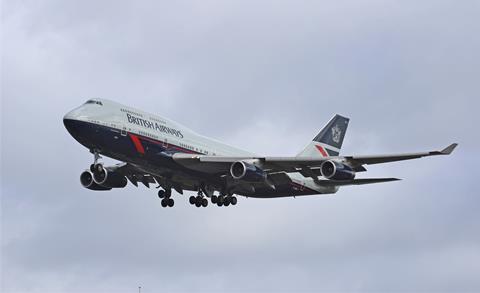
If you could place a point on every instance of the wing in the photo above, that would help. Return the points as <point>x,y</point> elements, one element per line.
<point>370,160</point>
<point>308,166</point>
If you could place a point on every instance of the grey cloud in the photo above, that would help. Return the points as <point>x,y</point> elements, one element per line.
<point>265,77</point>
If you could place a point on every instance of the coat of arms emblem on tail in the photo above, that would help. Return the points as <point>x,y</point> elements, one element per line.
<point>336,133</point>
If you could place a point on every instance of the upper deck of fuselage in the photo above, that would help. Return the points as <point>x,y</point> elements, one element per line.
<point>112,114</point>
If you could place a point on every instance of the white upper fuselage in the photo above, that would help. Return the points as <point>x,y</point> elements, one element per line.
<point>111,114</point>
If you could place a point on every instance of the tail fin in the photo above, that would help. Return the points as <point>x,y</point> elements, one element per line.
<point>329,141</point>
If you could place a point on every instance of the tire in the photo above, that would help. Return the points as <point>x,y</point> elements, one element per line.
<point>233,200</point>
<point>214,199</point>
<point>227,203</point>
<point>219,203</point>
<point>161,193</point>
<point>164,203</point>
<point>198,204</point>
<point>228,200</point>
<point>170,202</point>
<point>191,200</point>
<point>204,202</point>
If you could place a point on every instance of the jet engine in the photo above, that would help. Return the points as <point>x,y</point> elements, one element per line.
<point>247,172</point>
<point>86,179</point>
<point>108,178</point>
<point>336,171</point>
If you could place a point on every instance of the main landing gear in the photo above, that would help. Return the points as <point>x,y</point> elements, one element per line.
<point>165,195</point>
<point>224,200</point>
<point>199,200</point>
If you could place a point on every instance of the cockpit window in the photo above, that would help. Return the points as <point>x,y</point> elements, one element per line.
<point>94,102</point>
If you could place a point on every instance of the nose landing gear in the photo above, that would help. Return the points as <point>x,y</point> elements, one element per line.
<point>96,157</point>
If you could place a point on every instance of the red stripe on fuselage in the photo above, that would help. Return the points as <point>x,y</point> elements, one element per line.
<point>137,143</point>
<point>164,144</point>
<point>322,150</point>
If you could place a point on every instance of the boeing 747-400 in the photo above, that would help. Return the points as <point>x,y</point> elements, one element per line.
<point>156,150</point>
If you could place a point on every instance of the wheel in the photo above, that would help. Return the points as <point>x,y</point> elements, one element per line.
<point>214,199</point>
<point>92,168</point>
<point>161,193</point>
<point>227,203</point>
<point>192,200</point>
<point>204,202</point>
<point>98,167</point>
<point>219,203</point>
<point>164,203</point>
<point>228,200</point>
<point>170,202</point>
<point>221,199</point>
<point>198,203</point>
<point>233,200</point>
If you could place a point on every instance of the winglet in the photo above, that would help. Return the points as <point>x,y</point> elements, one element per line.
<point>448,150</point>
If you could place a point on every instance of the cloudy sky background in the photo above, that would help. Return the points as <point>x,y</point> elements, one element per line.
<point>264,76</point>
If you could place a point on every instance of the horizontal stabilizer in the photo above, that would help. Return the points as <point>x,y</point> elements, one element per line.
<point>355,181</point>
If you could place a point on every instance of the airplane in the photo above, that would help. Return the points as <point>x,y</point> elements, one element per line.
<point>156,150</point>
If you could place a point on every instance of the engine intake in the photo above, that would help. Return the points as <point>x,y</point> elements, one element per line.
<point>247,172</point>
<point>86,179</point>
<point>111,179</point>
<point>336,171</point>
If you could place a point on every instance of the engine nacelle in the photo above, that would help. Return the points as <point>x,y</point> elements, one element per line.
<point>111,179</point>
<point>247,172</point>
<point>86,179</point>
<point>336,171</point>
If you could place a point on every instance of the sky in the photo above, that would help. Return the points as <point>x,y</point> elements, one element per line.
<point>264,76</point>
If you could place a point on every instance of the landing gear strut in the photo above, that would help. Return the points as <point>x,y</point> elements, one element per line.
<point>96,158</point>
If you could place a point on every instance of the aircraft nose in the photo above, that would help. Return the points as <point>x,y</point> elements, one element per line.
<point>70,120</point>
<point>71,115</point>
<point>71,126</point>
